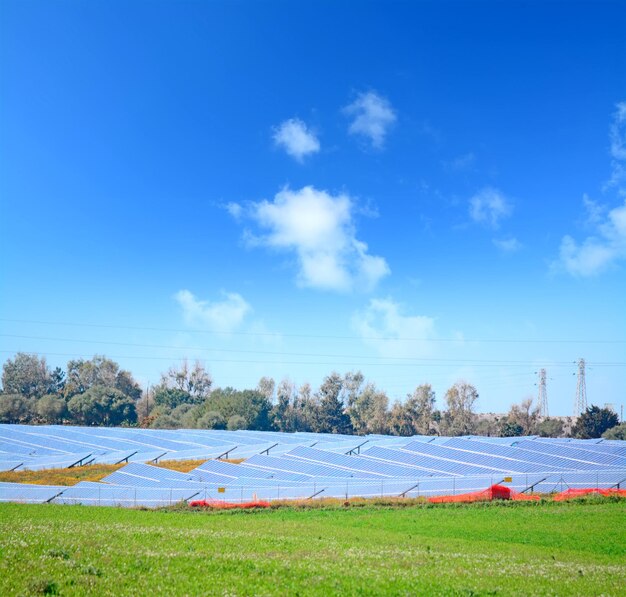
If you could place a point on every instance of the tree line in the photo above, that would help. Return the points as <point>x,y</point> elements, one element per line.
<point>98,392</point>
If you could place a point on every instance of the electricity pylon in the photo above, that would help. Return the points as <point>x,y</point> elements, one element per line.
<point>542,398</point>
<point>580,403</point>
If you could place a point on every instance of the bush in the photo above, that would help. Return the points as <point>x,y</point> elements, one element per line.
<point>617,432</point>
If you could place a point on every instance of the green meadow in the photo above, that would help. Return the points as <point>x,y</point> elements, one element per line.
<point>576,548</point>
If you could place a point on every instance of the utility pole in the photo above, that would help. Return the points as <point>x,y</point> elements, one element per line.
<point>580,403</point>
<point>147,399</point>
<point>542,398</point>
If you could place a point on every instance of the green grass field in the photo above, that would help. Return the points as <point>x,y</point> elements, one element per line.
<point>477,549</point>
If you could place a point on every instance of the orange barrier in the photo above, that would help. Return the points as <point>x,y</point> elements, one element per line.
<point>571,494</point>
<point>495,492</point>
<point>218,505</point>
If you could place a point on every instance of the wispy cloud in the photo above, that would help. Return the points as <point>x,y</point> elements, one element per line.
<point>507,245</point>
<point>596,212</point>
<point>617,135</point>
<point>384,326</point>
<point>372,116</point>
<point>223,316</point>
<point>597,252</point>
<point>606,245</point>
<point>489,206</point>
<point>461,163</point>
<point>319,228</point>
<point>296,138</point>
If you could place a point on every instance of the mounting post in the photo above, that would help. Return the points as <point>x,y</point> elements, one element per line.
<point>127,457</point>
<point>226,453</point>
<point>267,451</point>
<point>403,494</point>
<point>531,487</point>
<point>156,460</point>
<point>356,448</point>
<point>79,462</point>
<point>315,494</point>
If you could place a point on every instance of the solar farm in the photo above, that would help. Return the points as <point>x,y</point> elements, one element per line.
<point>297,466</point>
<point>368,540</point>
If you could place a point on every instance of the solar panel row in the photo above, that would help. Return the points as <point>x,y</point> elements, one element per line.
<point>300,465</point>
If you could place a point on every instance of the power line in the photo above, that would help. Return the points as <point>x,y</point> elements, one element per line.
<point>269,352</point>
<point>415,363</point>
<point>319,336</point>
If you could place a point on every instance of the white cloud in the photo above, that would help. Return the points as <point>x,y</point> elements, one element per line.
<point>319,228</point>
<point>373,115</point>
<point>297,140</point>
<point>219,316</point>
<point>234,209</point>
<point>595,211</point>
<point>508,245</point>
<point>489,206</point>
<point>596,253</point>
<point>617,135</point>
<point>383,326</point>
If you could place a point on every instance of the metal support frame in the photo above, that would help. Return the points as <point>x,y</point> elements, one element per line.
<point>356,448</point>
<point>226,453</point>
<point>403,494</point>
<point>79,462</point>
<point>127,457</point>
<point>316,494</point>
<point>267,451</point>
<point>531,487</point>
<point>54,497</point>
<point>155,460</point>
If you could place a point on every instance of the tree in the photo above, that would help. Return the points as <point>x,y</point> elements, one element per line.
<point>459,417</point>
<point>170,398</point>
<point>27,375</point>
<point>509,428</point>
<point>617,432</point>
<point>236,422</point>
<point>283,414</point>
<point>524,416</point>
<point>400,422</point>
<point>100,405</point>
<point>195,381</point>
<point>51,409</point>
<point>419,407</point>
<point>368,410</point>
<point>594,422</point>
<point>250,404</point>
<point>211,420</point>
<point>83,375</point>
<point>306,410</point>
<point>333,418</point>
<point>550,428</point>
<point>266,387</point>
<point>15,408</point>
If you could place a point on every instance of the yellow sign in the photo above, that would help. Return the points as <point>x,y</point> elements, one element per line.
<point>508,479</point>
<point>221,490</point>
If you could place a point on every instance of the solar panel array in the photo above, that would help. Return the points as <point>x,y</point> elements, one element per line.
<point>296,465</point>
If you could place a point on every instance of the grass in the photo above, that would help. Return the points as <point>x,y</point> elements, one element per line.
<point>573,548</point>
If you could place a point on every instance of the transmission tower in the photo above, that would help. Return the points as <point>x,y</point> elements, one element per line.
<point>542,399</point>
<point>580,404</point>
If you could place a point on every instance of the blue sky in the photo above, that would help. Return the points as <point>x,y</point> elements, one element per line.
<point>426,191</point>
